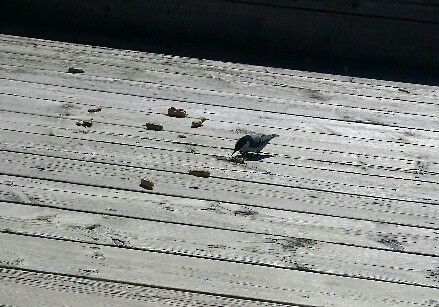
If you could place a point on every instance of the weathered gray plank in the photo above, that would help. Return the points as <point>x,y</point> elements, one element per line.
<point>204,275</point>
<point>298,104</point>
<point>419,155</point>
<point>206,148</point>
<point>328,135</point>
<point>214,69</point>
<point>181,161</point>
<point>299,90</point>
<point>293,131</point>
<point>167,148</point>
<point>349,190</point>
<point>181,184</point>
<point>216,104</point>
<point>33,288</point>
<point>177,73</point>
<point>405,141</point>
<point>221,215</point>
<point>276,251</point>
<point>24,288</point>
<point>344,178</point>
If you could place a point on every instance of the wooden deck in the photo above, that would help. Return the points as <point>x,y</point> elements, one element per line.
<point>341,210</point>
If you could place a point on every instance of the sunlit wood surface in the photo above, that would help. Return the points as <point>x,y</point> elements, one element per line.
<point>340,210</point>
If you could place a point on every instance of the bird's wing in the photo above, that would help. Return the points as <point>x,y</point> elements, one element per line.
<point>264,138</point>
<point>256,140</point>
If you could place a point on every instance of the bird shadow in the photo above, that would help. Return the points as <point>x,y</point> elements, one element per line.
<point>256,156</point>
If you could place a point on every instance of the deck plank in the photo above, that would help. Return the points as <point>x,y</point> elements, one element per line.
<point>210,68</point>
<point>207,243</point>
<point>316,197</point>
<point>187,273</point>
<point>303,106</point>
<point>180,183</point>
<point>219,215</point>
<point>341,209</point>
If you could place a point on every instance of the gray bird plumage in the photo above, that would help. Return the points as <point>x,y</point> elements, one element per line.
<point>253,142</point>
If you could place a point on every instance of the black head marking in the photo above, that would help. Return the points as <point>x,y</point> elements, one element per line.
<point>240,143</point>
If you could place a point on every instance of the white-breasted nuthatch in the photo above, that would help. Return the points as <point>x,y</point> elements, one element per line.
<point>253,142</point>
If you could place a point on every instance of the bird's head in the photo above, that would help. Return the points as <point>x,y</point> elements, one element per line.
<point>241,143</point>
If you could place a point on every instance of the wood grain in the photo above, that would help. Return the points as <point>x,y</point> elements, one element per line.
<point>258,282</point>
<point>341,209</point>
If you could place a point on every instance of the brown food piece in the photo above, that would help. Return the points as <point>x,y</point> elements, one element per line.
<point>198,122</point>
<point>95,109</point>
<point>84,123</point>
<point>146,183</point>
<point>199,173</point>
<point>237,159</point>
<point>174,112</point>
<point>75,70</point>
<point>182,136</point>
<point>154,126</point>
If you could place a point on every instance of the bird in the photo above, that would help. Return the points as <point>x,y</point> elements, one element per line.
<point>252,143</point>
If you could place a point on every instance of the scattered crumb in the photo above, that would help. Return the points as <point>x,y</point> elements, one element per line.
<point>98,255</point>
<point>237,159</point>
<point>146,183</point>
<point>154,126</point>
<point>182,136</point>
<point>174,112</point>
<point>95,109</point>
<point>75,70</point>
<point>198,122</point>
<point>84,123</point>
<point>119,242</point>
<point>199,173</point>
